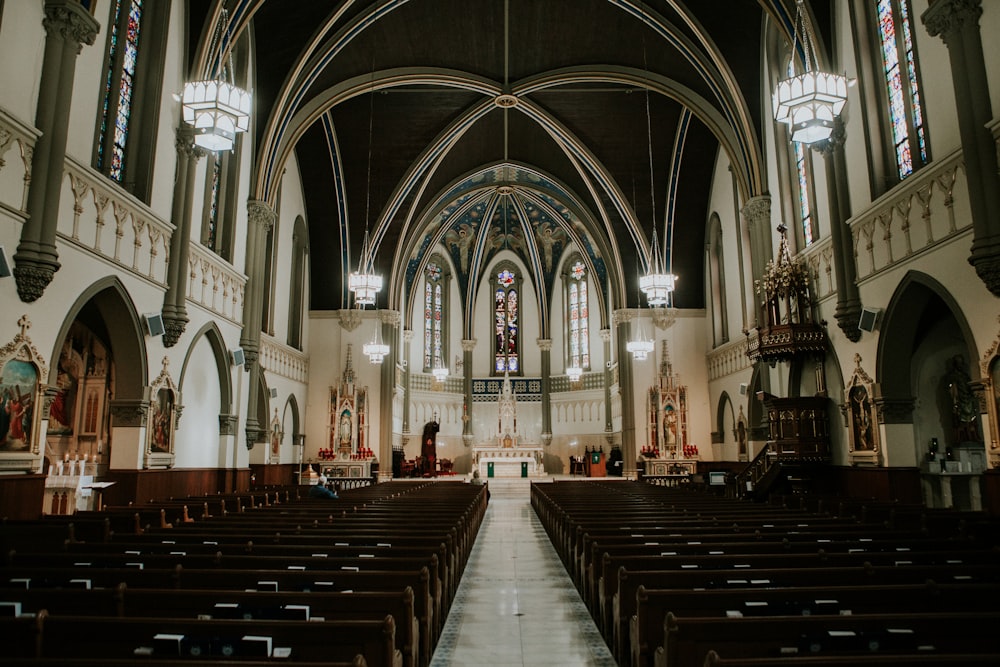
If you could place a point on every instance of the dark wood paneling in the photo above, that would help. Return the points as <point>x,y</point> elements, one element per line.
<point>991,492</point>
<point>276,474</point>
<point>21,496</point>
<point>143,486</point>
<point>887,484</point>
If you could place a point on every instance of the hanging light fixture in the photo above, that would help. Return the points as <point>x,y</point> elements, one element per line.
<point>217,109</point>
<point>808,102</point>
<point>641,346</point>
<point>574,373</point>
<point>658,283</point>
<point>376,350</point>
<point>365,283</point>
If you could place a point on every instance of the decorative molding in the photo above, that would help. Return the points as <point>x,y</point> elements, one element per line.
<point>390,317</point>
<point>894,410</point>
<point>947,17</point>
<point>544,344</point>
<point>129,413</point>
<point>70,21</point>
<point>757,209</point>
<point>350,318</point>
<point>664,318</point>
<point>32,277</point>
<point>261,214</point>
<point>991,352</point>
<point>622,315</point>
<point>468,344</point>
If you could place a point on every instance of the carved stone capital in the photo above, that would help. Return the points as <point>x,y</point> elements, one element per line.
<point>69,20</point>
<point>260,214</point>
<point>390,317</point>
<point>848,316</point>
<point>894,410</point>
<point>988,270</point>
<point>757,210</point>
<point>350,318</point>
<point>468,344</point>
<point>407,335</point>
<point>250,356</point>
<point>664,318</point>
<point>228,424</point>
<point>129,412</point>
<point>621,316</point>
<point>545,344</point>
<point>184,143</point>
<point>605,335</point>
<point>173,328</point>
<point>947,17</point>
<point>32,277</point>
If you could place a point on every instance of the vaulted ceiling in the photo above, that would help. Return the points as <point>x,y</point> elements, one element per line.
<point>526,123</point>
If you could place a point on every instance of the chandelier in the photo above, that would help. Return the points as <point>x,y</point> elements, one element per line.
<point>376,350</point>
<point>217,109</point>
<point>657,284</point>
<point>641,346</point>
<point>364,282</point>
<point>811,101</point>
<point>574,373</point>
<point>440,372</point>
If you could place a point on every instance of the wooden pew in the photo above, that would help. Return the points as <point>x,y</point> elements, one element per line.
<point>713,659</point>
<point>95,636</point>
<point>191,603</point>
<point>645,628</point>
<point>687,641</point>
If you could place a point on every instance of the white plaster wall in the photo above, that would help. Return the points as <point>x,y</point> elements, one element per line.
<point>197,442</point>
<point>22,45</point>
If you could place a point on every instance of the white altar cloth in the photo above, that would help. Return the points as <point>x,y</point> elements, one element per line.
<point>507,460</point>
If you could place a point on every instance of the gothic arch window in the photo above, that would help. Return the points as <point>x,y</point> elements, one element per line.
<point>297,295</point>
<point>506,320</point>
<point>807,231</point>
<point>436,281</point>
<point>717,282</point>
<point>129,103</point>
<point>577,313</point>
<point>898,68</point>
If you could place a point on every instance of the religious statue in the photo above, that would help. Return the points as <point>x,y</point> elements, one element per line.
<point>964,406</point>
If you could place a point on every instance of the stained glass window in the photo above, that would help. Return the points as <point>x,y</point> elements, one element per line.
<point>505,309</point>
<point>119,86</point>
<point>213,209</point>
<point>434,355</point>
<point>899,68</point>
<point>805,207</point>
<point>577,317</point>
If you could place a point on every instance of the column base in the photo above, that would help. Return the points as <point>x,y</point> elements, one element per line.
<point>987,268</point>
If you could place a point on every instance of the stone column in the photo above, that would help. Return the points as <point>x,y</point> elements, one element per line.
<point>175,317</point>
<point>545,345</point>
<point>609,378</point>
<point>468,435</point>
<point>389,321</point>
<point>848,310</point>
<point>757,212</point>
<point>68,26</point>
<point>957,23</point>
<point>622,321</point>
<point>260,219</point>
<point>407,342</point>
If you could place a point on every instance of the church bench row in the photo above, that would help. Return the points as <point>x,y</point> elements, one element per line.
<point>876,542</point>
<point>318,567</point>
<point>427,611</point>
<point>687,640</point>
<point>122,602</point>
<point>645,627</point>
<point>604,582</point>
<point>173,639</point>
<point>144,661</point>
<point>713,659</point>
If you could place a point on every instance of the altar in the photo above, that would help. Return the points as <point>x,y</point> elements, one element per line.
<point>525,460</point>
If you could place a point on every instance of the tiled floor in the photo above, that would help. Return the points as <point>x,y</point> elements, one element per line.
<point>516,605</point>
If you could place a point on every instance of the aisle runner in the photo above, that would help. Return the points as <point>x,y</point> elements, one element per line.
<point>516,605</point>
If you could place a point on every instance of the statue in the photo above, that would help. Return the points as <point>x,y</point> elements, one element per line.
<point>964,406</point>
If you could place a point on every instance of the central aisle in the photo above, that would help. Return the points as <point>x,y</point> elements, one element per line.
<point>516,605</point>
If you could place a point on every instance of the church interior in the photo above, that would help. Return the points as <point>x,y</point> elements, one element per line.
<point>619,256</point>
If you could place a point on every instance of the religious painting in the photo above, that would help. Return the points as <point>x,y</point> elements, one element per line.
<point>18,399</point>
<point>161,422</point>
<point>62,411</point>
<point>21,408</point>
<point>862,417</point>
<point>276,435</point>
<point>160,413</point>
